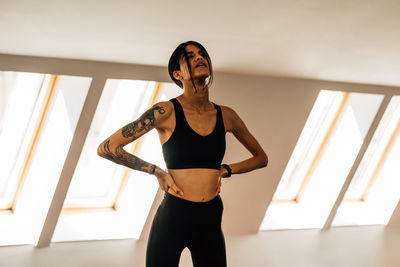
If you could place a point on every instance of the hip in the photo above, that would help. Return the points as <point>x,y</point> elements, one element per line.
<point>178,211</point>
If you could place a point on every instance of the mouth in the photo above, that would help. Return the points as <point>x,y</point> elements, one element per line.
<point>200,65</point>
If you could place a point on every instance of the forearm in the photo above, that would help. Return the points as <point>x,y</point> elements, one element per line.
<point>255,162</point>
<point>120,156</point>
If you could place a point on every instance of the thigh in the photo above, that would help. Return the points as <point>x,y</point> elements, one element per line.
<point>164,247</point>
<point>209,250</point>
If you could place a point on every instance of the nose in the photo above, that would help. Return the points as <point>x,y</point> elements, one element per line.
<point>198,57</point>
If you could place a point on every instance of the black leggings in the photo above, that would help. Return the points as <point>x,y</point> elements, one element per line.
<point>181,223</point>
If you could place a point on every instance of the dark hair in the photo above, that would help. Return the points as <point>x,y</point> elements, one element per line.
<point>180,52</point>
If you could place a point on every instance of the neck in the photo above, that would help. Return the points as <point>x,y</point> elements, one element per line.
<point>199,101</point>
<point>200,84</point>
<point>198,96</point>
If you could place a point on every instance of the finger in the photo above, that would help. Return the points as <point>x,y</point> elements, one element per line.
<point>176,189</point>
<point>171,183</point>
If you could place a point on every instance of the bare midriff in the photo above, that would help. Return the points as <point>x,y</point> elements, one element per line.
<point>198,185</point>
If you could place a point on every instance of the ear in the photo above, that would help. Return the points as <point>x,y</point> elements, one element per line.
<point>177,75</point>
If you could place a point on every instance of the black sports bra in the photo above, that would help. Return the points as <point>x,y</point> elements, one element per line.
<point>186,149</point>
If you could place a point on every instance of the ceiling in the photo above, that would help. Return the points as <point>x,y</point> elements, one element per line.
<point>353,40</point>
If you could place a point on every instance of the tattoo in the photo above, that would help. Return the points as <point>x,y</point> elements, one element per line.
<point>120,156</point>
<point>145,122</point>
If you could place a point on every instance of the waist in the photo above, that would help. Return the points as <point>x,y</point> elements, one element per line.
<point>185,202</point>
<point>198,185</point>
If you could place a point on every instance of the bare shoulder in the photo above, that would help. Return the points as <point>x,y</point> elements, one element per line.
<point>154,117</point>
<point>231,118</point>
<point>228,111</point>
<point>159,111</point>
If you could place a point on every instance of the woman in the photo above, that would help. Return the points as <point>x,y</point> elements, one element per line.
<point>192,133</point>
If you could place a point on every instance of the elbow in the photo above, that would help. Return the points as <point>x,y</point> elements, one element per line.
<point>264,161</point>
<point>100,151</point>
<point>104,149</point>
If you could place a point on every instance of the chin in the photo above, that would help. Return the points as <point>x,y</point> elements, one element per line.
<point>204,75</point>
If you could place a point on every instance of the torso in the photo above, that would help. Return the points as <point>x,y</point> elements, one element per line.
<point>198,184</point>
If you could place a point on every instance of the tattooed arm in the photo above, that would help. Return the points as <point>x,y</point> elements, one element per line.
<point>112,147</point>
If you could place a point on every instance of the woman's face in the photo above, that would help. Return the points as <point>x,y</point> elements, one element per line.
<point>198,63</point>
